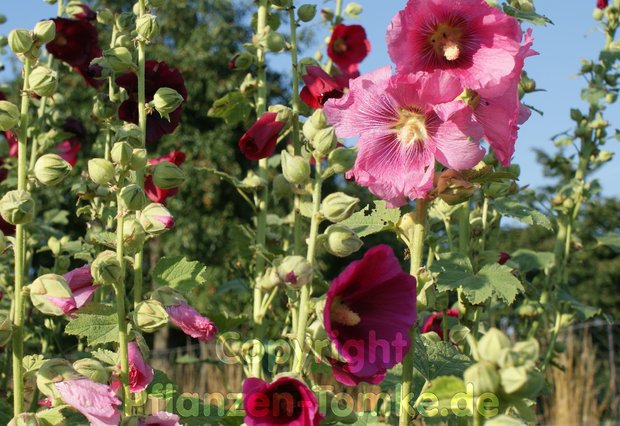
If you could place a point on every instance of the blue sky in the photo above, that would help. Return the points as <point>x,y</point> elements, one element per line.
<point>575,35</point>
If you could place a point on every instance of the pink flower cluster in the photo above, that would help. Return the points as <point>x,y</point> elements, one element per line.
<point>458,65</point>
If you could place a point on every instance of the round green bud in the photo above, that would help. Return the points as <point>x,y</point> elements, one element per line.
<point>167,175</point>
<point>43,81</point>
<point>121,153</point>
<point>269,279</point>
<point>597,14</point>
<point>17,207</point>
<point>166,100</point>
<point>20,41</point>
<point>314,123</point>
<point>281,187</point>
<point>275,42</point>
<point>306,12</point>
<point>483,376</point>
<point>100,170</point>
<point>6,329</point>
<point>25,419</point>
<point>44,31</point>
<point>105,16</point>
<point>576,115</point>
<point>125,21</point>
<point>9,115</point>
<point>103,109</point>
<point>139,159</point>
<point>132,197</point>
<point>150,315</point>
<point>46,287</point>
<point>156,219</point>
<point>324,141</point>
<point>119,59</point>
<point>51,169</point>
<point>296,169</point>
<point>92,369</point>
<point>133,235</point>
<point>106,269</point>
<point>242,60</point>
<point>341,160</point>
<point>2,19</point>
<point>338,206</point>
<point>341,240</point>
<point>129,133</point>
<point>53,371</point>
<point>123,40</point>
<point>147,26</point>
<point>295,271</point>
<point>491,345</point>
<point>354,10</point>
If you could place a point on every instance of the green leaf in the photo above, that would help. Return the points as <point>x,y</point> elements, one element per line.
<point>6,411</point>
<point>530,260</point>
<point>526,214</point>
<point>530,16</point>
<point>56,217</point>
<point>611,240</point>
<point>107,357</point>
<point>179,273</point>
<point>583,311</point>
<point>52,416</point>
<point>371,220</point>
<point>233,108</point>
<point>438,358</point>
<point>32,363</point>
<point>97,322</point>
<point>452,269</point>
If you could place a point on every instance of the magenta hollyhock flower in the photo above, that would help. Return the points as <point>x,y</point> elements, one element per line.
<point>80,282</point>
<point>191,322</point>
<point>320,87</point>
<point>348,46</point>
<point>369,310</point>
<point>69,149</point>
<point>155,193</point>
<point>65,304</point>
<point>157,75</point>
<point>468,39</point>
<point>405,123</point>
<point>260,140</point>
<point>284,402</point>
<point>140,373</point>
<point>434,322</point>
<point>76,43</point>
<point>12,142</point>
<point>161,418</point>
<point>97,402</point>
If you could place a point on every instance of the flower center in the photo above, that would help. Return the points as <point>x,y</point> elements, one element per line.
<point>411,126</point>
<point>339,46</point>
<point>446,40</point>
<point>470,97</point>
<point>342,314</point>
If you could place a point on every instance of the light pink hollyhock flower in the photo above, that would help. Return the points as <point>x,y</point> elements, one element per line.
<point>140,373</point>
<point>81,284</point>
<point>191,322</point>
<point>95,401</point>
<point>405,123</point>
<point>162,418</point>
<point>469,39</point>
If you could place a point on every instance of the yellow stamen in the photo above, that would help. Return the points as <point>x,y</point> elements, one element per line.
<point>446,41</point>
<point>411,126</point>
<point>342,314</point>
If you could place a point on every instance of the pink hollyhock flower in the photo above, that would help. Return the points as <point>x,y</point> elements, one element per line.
<point>12,142</point>
<point>369,310</point>
<point>191,322</point>
<point>468,39</point>
<point>155,193</point>
<point>140,373</point>
<point>434,322</point>
<point>602,4</point>
<point>95,401</point>
<point>157,75</point>
<point>65,304</point>
<point>76,43</point>
<point>80,282</point>
<point>405,123</point>
<point>320,87</point>
<point>348,46</point>
<point>284,402</point>
<point>69,150</point>
<point>161,418</point>
<point>260,140</point>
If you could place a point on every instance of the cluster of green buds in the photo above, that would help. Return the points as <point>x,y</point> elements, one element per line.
<point>27,44</point>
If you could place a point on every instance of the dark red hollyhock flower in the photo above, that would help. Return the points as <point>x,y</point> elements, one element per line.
<point>155,193</point>
<point>348,46</point>
<point>157,75</point>
<point>369,310</point>
<point>434,322</point>
<point>76,43</point>
<point>285,402</point>
<point>260,140</point>
<point>6,227</point>
<point>602,4</point>
<point>320,87</point>
<point>503,258</point>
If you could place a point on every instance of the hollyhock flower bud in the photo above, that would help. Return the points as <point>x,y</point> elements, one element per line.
<point>103,109</point>
<point>295,271</point>
<point>25,419</point>
<point>287,401</point>
<point>597,13</point>
<point>132,197</point>
<point>147,26</point>
<point>100,170</point>
<point>17,207</point>
<point>284,113</point>
<point>341,241</point>
<point>491,345</point>
<point>348,46</point>
<point>191,322</point>
<point>125,21</point>
<point>150,315</point>
<point>260,139</point>
<point>51,295</point>
<point>295,168</point>
<point>54,371</point>
<point>43,81</point>
<point>129,133</point>
<point>483,376</point>
<point>9,115</point>
<point>44,31</point>
<point>316,122</point>
<point>241,61</point>
<point>93,370</point>
<point>133,235</point>
<point>452,187</point>
<point>80,283</point>
<point>306,12</point>
<point>341,160</point>
<point>20,41</point>
<point>354,10</point>
<point>275,42</point>
<point>338,206</point>
<point>166,100</point>
<point>156,219</point>
<point>6,329</point>
<point>119,59</point>
<point>324,141</point>
<point>139,159</point>
<point>167,175</point>
<point>51,169</point>
<point>105,16</point>
<point>106,269</point>
<point>121,153</point>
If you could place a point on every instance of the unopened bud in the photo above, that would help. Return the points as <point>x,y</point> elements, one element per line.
<point>295,271</point>
<point>139,159</point>
<point>119,59</point>
<point>324,141</point>
<point>133,235</point>
<point>296,169</point>
<point>50,293</point>
<point>44,31</point>
<point>167,175</point>
<point>166,100</point>
<point>51,169</point>
<point>132,197</point>
<point>129,133</point>
<point>105,16</point>
<point>499,189</point>
<point>6,329</point>
<point>354,10</point>
<point>9,115</point>
<point>43,81</point>
<point>597,14</point>
<point>341,241</point>
<point>92,369</point>
<point>124,21</point>
<point>121,153</point>
<point>306,12</point>
<point>491,345</point>
<point>156,219</point>
<point>284,113</point>
<point>17,207</point>
<point>147,26</point>
<point>100,170</point>
<point>20,41</point>
<point>150,315</point>
<point>106,269</point>
<point>275,42</point>
<point>338,206</point>
<point>341,160</point>
<point>241,61</point>
<point>314,123</point>
<point>103,109</point>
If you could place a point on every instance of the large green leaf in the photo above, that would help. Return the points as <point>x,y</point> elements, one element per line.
<point>438,358</point>
<point>371,220</point>
<point>97,322</point>
<point>526,214</point>
<point>179,273</point>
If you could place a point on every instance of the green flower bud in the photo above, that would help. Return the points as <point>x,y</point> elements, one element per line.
<point>105,16</point>
<point>92,369</point>
<point>354,10</point>
<point>597,14</point>
<point>604,156</point>
<point>106,269</point>
<point>100,170</point>
<point>168,296</point>
<point>6,329</point>
<point>129,133</point>
<point>2,19</point>
<point>139,159</point>
<point>51,169</point>
<point>46,287</point>
<point>124,40</point>
<point>25,419</point>
<point>9,115</point>
<point>150,315</point>
<point>242,60</point>
<point>147,26</point>
<point>119,59</point>
<point>132,197</point>
<point>103,109</point>
<point>296,169</point>
<point>483,376</point>
<point>156,219</point>
<point>341,241</point>
<point>491,345</point>
<point>281,187</point>
<point>53,371</point>
<point>125,21</point>
<point>338,206</point>
<point>44,31</point>
<point>121,153</point>
<point>43,81</point>
<point>295,271</point>
<point>166,100</point>
<point>275,42</point>
<point>20,41</point>
<point>316,122</point>
<point>324,141</point>
<point>341,160</point>
<point>306,12</point>
<point>17,207</point>
<point>285,114</point>
<point>133,235</point>
<point>269,279</point>
<point>167,175</point>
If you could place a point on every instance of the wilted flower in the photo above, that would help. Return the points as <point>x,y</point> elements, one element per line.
<point>434,322</point>
<point>348,46</point>
<point>260,140</point>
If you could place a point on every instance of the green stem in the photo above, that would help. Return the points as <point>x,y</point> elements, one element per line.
<point>416,249</point>
<point>485,216</point>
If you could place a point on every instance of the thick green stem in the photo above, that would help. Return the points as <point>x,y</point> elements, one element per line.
<point>416,250</point>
